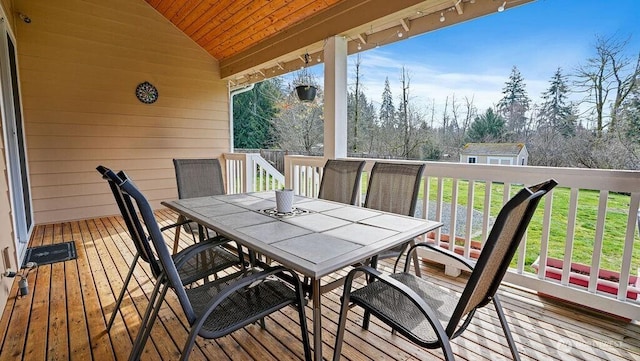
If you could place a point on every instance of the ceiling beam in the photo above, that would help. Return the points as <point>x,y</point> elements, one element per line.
<point>458,5</point>
<point>361,39</point>
<point>431,22</point>
<point>346,15</point>
<point>405,23</point>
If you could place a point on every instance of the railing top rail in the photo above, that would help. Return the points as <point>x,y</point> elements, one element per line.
<point>238,156</point>
<point>306,160</point>
<point>584,178</point>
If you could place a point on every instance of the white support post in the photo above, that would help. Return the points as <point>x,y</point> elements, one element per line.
<point>335,98</point>
<point>249,173</point>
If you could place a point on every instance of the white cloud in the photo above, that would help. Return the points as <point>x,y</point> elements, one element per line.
<point>428,84</point>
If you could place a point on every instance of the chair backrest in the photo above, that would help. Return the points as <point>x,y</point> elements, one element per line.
<point>394,187</point>
<point>341,180</point>
<point>198,177</point>
<point>145,216</point>
<point>498,250</point>
<point>128,211</point>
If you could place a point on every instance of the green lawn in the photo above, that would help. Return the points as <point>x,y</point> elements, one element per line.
<point>615,224</point>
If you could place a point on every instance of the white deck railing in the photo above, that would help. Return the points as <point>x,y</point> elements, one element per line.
<point>249,172</point>
<point>495,183</point>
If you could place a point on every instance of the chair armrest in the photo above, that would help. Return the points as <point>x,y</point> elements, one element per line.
<point>186,221</point>
<point>194,250</point>
<point>456,257</point>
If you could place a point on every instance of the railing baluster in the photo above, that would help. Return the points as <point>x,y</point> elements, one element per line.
<point>241,176</point>
<point>629,238</point>
<point>486,211</point>
<point>506,192</point>
<point>439,199</point>
<point>571,226</point>
<point>425,203</point>
<point>230,183</point>
<point>238,165</point>
<point>522,250</point>
<point>453,214</point>
<point>597,242</point>
<point>544,237</point>
<point>469,228</point>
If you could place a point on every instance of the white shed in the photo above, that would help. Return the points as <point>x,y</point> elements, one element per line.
<point>495,153</point>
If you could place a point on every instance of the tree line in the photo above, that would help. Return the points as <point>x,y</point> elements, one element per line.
<point>601,130</point>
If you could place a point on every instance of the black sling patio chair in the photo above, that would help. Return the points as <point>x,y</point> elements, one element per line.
<point>341,181</point>
<point>212,309</point>
<point>208,262</point>
<point>197,178</point>
<point>394,187</point>
<point>426,313</point>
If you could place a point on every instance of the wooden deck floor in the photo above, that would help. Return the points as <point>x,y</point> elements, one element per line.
<point>64,316</point>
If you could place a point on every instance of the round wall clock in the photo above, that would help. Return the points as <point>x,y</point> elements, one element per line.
<point>146,92</point>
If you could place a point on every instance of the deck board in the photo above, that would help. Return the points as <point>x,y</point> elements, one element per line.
<point>64,316</point>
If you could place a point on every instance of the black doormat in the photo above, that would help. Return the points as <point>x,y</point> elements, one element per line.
<point>51,253</point>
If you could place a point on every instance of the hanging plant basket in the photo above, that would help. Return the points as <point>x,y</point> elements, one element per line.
<point>306,93</point>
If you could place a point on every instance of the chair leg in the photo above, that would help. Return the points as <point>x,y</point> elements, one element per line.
<point>342,322</point>
<point>367,315</point>
<point>243,266</point>
<point>188,346</point>
<point>123,291</point>
<point>303,326</point>
<point>416,260</point>
<point>365,319</point>
<point>149,318</point>
<point>505,328</point>
<point>176,239</point>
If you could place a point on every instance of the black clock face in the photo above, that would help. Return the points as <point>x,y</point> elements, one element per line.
<point>146,92</point>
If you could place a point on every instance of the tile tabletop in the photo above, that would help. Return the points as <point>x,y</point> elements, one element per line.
<point>326,237</point>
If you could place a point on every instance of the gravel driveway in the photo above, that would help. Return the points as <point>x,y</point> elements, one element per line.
<point>461,218</point>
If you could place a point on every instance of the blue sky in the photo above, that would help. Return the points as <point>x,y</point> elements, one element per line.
<point>474,59</point>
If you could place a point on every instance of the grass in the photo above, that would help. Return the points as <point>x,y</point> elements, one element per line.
<point>584,234</point>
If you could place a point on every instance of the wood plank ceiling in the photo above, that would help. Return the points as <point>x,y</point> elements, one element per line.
<point>256,39</point>
<point>226,27</point>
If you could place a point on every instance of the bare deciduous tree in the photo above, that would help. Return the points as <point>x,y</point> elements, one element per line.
<point>299,125</point>
<point>610,71</point>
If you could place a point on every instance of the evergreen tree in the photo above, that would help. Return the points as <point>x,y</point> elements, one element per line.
<point>515,103</point>
<point>555,112</point>
<point>253,112</point>
<point>489,127</point>
<point>366,125</point>
<point>630,116</point>
<point>387,110</point>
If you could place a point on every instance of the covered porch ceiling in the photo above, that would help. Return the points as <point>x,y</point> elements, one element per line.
<point>258,39</point>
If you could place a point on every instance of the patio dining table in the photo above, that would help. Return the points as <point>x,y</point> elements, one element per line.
<point>318,238</point>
